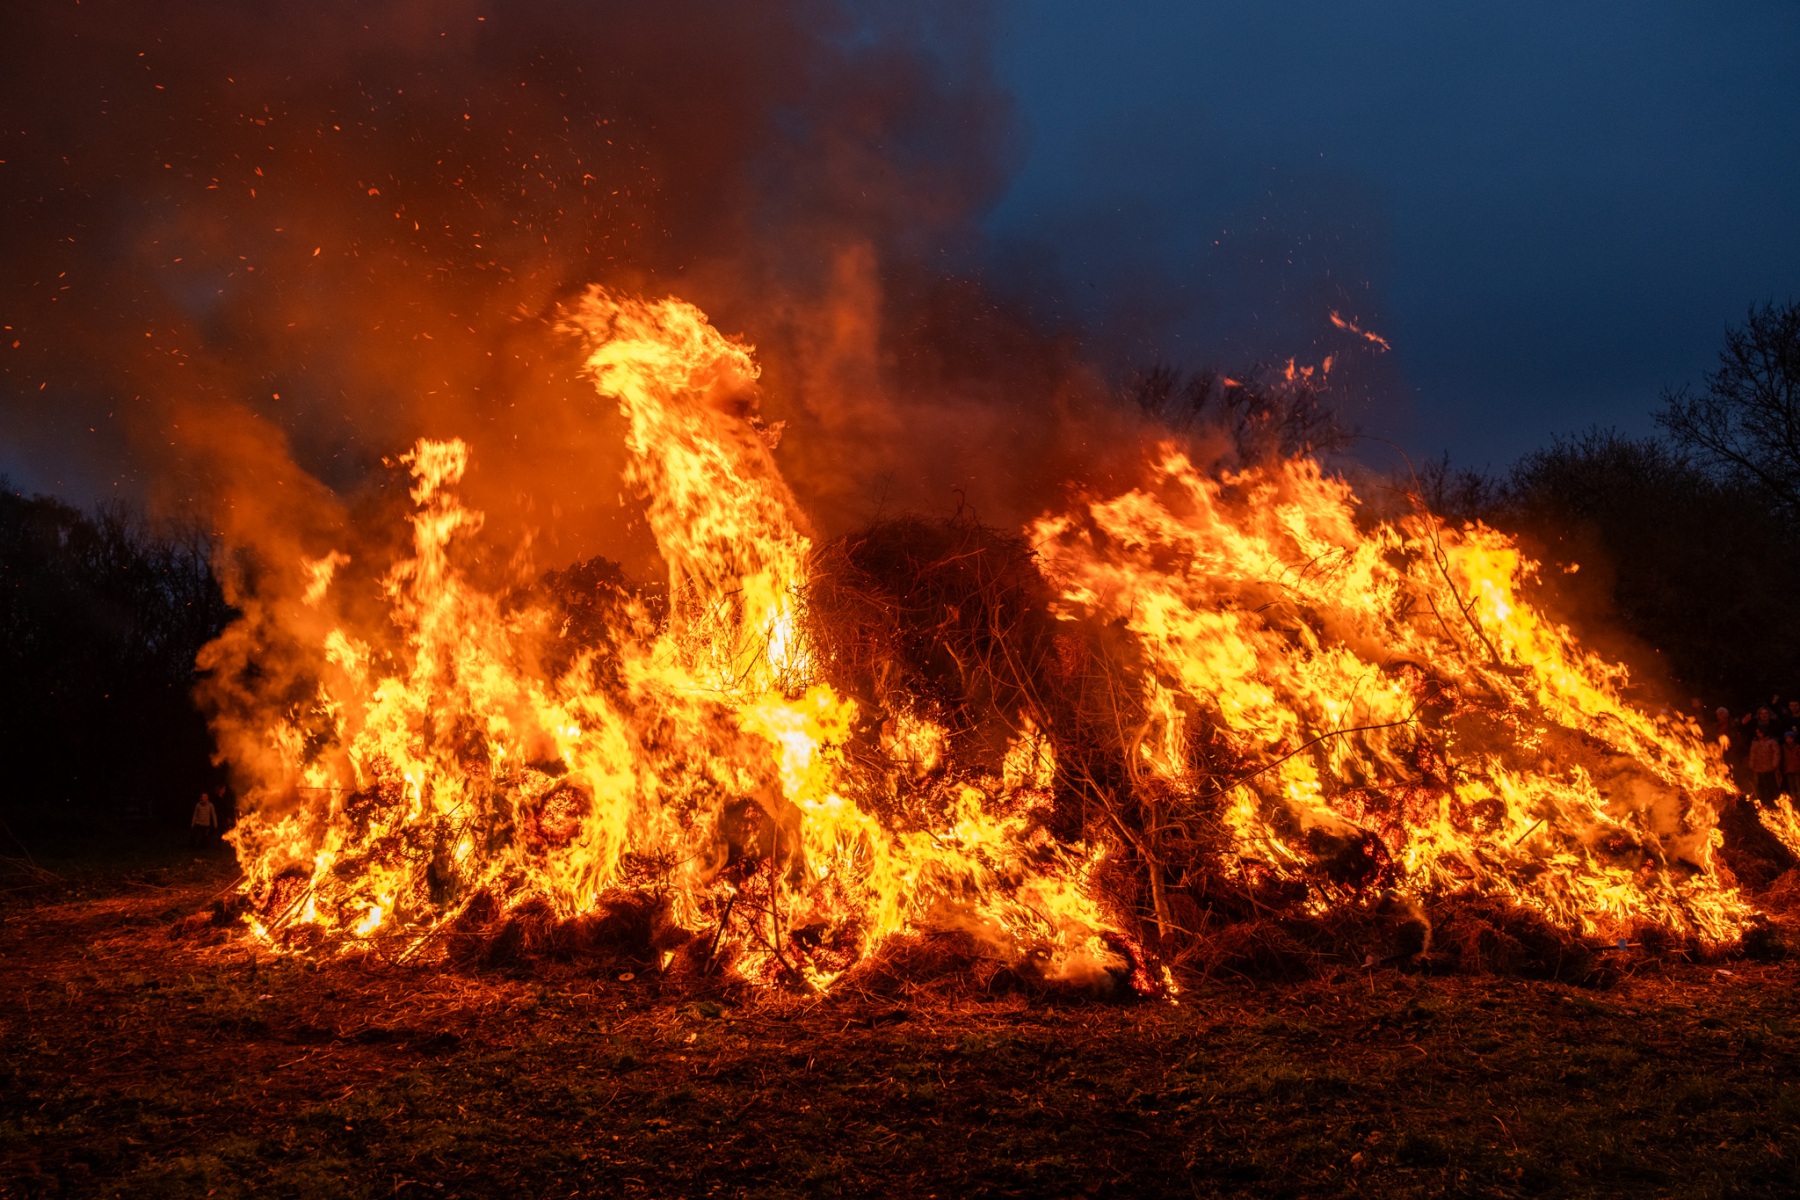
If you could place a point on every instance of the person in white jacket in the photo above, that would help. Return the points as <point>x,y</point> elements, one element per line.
<point>203,830</point>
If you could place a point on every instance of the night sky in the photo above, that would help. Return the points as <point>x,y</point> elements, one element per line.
<point>1551,210</point>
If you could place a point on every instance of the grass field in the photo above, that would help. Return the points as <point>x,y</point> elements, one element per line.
<point>141,1056</point>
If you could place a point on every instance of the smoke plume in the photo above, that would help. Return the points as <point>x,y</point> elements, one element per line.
<point>253,252</point>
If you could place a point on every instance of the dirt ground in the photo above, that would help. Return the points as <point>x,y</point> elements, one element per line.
<point>141,1056</point>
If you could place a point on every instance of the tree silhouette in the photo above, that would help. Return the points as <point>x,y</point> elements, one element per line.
<point>1270,413</point>
<point>1746,423</point>
<point>1694,565</point>
<point>101,615</point>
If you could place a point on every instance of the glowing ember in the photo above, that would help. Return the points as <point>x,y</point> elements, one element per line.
<point>1356,705</point>
<point>1349,326</point>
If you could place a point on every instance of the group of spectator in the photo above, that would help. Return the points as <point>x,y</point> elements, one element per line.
<point>1762,748</point>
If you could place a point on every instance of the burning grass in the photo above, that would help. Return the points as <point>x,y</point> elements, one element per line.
<point>148,1051</point>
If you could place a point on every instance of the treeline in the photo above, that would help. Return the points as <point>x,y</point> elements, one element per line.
<point>101,615</point>
<point>1678,553</point>
<point>1699,568</point>
<point>1689,540</point>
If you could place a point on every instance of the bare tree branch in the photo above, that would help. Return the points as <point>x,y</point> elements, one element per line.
<point>1746,423</point>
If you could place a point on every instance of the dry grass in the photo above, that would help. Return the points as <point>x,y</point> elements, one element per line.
<point>145,1051</point>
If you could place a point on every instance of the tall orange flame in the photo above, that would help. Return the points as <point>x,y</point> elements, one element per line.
<point>700,755</point>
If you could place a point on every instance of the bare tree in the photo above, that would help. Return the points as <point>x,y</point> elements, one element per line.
<point>1746,424</point>
<point>101,616</point>
<point>1454,493</point>
<point>1273,414</point>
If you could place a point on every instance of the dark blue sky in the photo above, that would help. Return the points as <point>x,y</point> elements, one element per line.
<point>1551,210</point>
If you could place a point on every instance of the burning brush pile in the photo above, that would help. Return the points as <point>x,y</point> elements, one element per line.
<point>1082,751</point>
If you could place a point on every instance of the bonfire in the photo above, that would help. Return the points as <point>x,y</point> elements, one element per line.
<point>1081,752</point>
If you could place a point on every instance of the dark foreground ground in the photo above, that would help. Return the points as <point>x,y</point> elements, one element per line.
<point>138,1063</point>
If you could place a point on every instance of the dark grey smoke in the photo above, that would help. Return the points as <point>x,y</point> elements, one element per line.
<point>248,251</point>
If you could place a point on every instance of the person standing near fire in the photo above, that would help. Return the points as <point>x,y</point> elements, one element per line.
<point>1734,745</point>
<point>1765,764</point>
<point>203,830</point>
<point>1790,764</point>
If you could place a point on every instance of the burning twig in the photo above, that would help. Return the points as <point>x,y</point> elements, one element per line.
<point>724,920</point>
<point>1309,744</point>
<point>1528,832</point>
